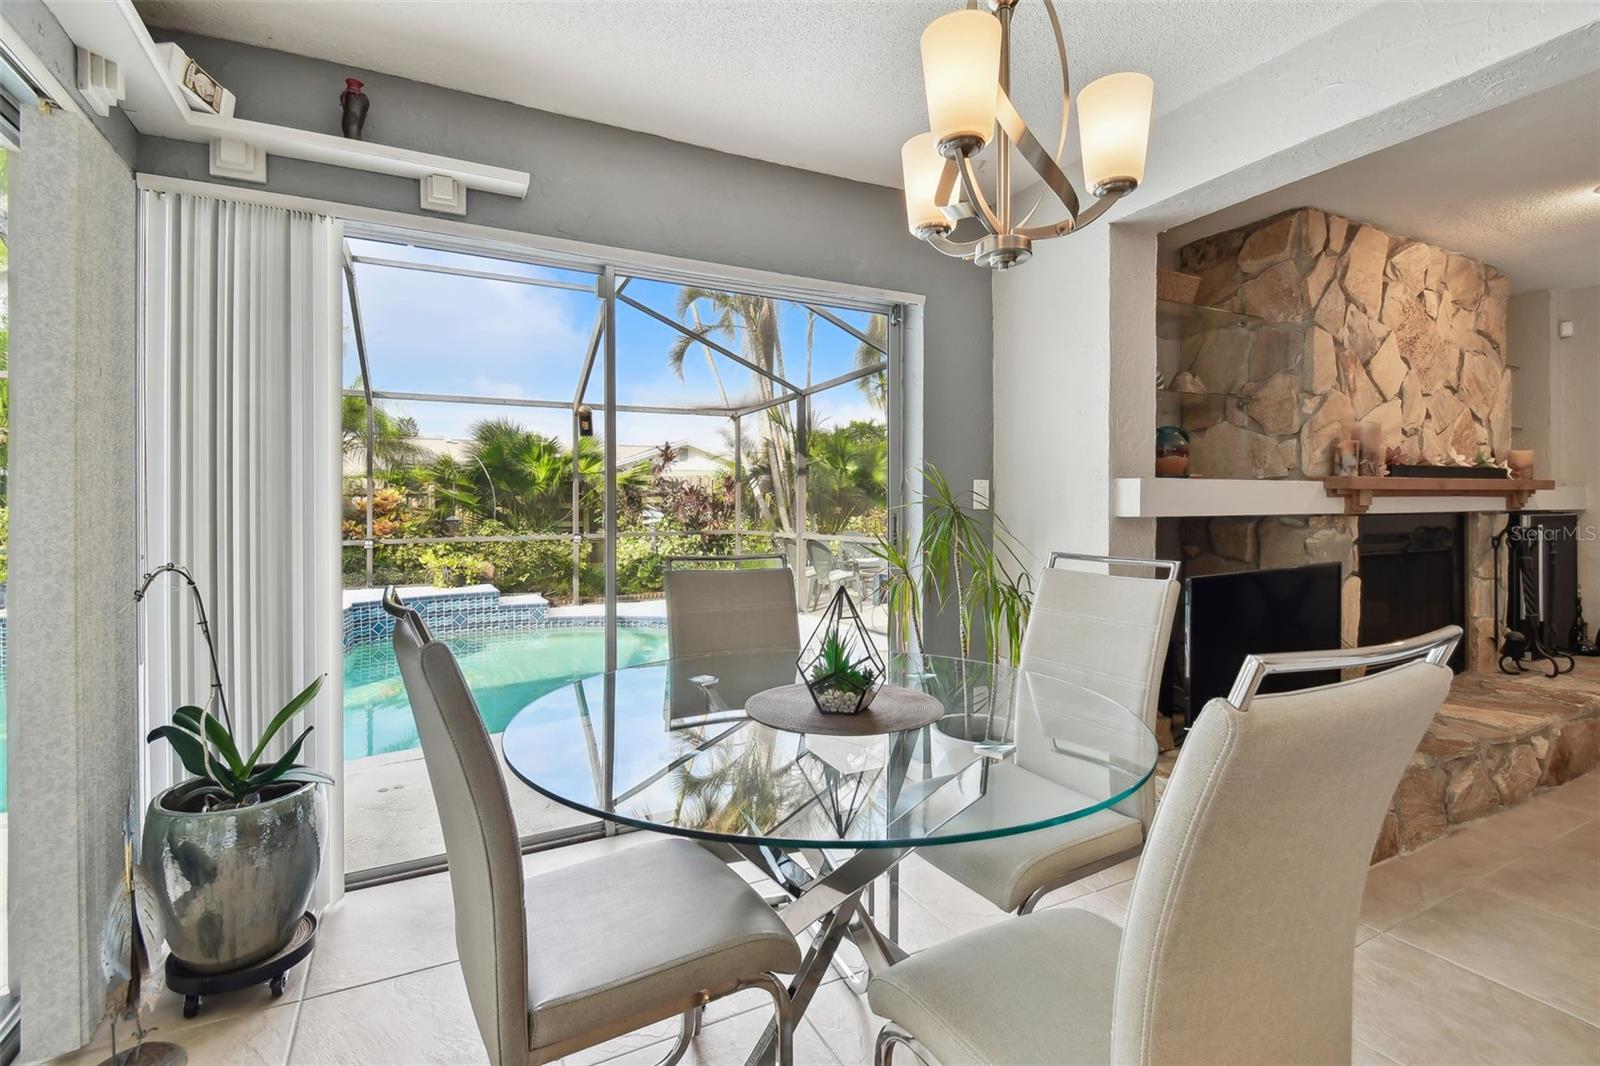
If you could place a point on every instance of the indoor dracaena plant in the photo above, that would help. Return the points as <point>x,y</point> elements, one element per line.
<point>205,741</point>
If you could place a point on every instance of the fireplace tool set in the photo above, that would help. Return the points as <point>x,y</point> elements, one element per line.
<point>1525,628</point>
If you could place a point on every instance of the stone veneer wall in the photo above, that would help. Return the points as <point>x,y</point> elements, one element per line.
<point>1351,323</point>
<point>1356,324</point>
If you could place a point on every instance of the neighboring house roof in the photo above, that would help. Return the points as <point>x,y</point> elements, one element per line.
<point>693,462</point>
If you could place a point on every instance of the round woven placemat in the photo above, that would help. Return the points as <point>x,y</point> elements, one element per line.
<point>893,710</point>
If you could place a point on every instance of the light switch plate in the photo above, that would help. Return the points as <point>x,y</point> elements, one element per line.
<point>1565,329</point>
<point>980,493</point>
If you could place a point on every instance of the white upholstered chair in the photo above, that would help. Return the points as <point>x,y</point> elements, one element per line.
<point>580,955</point>
<point>1238,946</point>
<point>743,609</point>
<point>1106,632</point>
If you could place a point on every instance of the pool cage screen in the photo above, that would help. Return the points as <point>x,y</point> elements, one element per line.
<point>822,511</point>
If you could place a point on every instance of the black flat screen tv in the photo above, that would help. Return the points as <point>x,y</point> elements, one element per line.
<point>1230,616</point>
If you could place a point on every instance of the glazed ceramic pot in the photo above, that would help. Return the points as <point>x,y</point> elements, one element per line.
<point>353,107</point>
<point>233,883</point>
<point>1172,452</point>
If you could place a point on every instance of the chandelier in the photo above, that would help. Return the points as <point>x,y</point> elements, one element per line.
<point>966,74</point>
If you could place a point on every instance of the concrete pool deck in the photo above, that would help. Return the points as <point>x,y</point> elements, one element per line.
<point>389,814</point>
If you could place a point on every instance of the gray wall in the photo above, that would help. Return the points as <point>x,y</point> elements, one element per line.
<point>42,33</point>
<point>1556,396</point>
<point>74,727</point>
<point>612,186</point>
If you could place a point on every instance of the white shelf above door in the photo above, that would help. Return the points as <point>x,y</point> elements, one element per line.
<point>240,147</point>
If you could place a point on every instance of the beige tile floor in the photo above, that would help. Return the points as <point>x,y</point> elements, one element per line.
<point>1484,947</point>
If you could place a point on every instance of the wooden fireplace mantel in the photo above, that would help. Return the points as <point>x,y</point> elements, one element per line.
<point>1358,492</point>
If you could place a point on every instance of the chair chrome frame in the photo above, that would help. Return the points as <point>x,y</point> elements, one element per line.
<point>694,1012</point>
<point>1168,566</point>
<point>892,1034</point>
<point>667,561</point>
<point>1436,647</point>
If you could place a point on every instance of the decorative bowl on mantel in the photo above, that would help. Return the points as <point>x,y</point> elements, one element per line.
<point>1426,470</point>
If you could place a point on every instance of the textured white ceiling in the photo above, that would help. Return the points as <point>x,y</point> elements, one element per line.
<point>1514,187</point>
<point>817,84</point>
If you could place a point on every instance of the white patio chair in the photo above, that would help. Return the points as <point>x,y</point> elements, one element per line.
<point>743,609</point>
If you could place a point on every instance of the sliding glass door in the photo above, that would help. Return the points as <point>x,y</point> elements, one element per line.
<point>487,411</point>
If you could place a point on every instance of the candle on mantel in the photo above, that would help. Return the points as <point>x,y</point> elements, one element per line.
<point>1346,459</point>
<point>1522,463</point>
<point>1370,437</point>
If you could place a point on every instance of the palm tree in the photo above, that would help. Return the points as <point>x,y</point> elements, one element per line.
<point>751,322</point>
<point>875,387</point>
<point>849,473</point>
<point>523,479</point>
<point>394,446</point>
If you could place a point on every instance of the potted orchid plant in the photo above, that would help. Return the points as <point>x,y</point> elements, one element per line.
<point>234,851</point>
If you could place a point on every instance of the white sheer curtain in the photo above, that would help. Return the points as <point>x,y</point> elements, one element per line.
<point>240,406</point>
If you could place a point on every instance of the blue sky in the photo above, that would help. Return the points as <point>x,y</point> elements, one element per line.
<point>431,332</point>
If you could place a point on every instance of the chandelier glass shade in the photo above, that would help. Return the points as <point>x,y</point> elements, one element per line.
<point>966,59</point>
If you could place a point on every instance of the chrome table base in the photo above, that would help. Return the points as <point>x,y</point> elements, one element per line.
<point>828,895</point>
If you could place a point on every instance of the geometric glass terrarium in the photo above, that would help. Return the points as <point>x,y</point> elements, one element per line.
<point>839,663</point>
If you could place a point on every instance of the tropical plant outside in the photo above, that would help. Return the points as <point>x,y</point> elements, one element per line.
<point>505,480</point>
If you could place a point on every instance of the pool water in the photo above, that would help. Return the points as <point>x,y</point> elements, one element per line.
<point>506,669</point>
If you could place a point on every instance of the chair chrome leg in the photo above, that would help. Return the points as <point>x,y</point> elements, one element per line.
<point>784,1009</point>
<point>686,1033</point>
<point>894,903</point>
<point>890,1035</point>
<point>699,1014</point>
<point>1033,900</point>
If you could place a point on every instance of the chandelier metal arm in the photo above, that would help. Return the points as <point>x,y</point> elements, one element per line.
<point>969,185</point>
<point>1071,225</point>
<point>1100,206</point>
<point>1034,153</point>
<point>948,178</point>
<point>1066,101</point>
<point>954,249</point>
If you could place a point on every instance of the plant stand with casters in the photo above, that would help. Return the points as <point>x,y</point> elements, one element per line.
<point>194,986</point>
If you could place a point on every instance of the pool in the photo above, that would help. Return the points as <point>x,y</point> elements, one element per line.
<point>507,670</point>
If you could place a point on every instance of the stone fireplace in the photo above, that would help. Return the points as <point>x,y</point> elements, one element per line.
<point>1312,324</point>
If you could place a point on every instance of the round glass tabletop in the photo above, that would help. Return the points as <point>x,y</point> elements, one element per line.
<point>665,746</point>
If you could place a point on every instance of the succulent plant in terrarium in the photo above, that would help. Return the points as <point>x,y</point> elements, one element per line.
<point>839,664</point>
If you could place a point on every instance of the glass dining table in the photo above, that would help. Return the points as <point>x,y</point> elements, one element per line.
<point>667,747</point>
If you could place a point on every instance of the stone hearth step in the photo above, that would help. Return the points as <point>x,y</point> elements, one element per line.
<point>1497,740</point>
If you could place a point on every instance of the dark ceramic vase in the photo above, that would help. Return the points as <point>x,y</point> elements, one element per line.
<point>355,105</point>
<point>1172,452</point>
